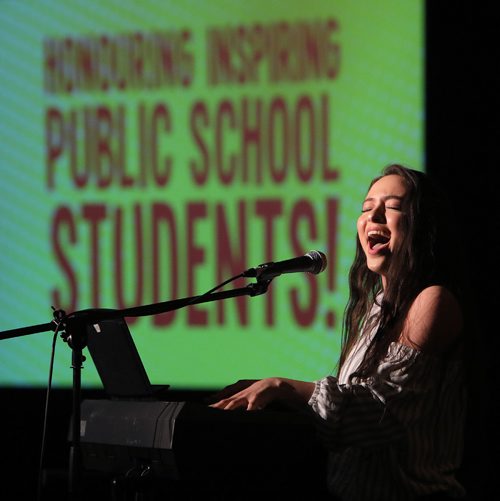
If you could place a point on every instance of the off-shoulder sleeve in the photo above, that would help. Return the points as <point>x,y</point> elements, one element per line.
<point>377,410</point>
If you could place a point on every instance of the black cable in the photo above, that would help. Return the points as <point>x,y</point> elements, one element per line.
<point>46,412</point>
<point>241,275</point>
<point>197,298</point>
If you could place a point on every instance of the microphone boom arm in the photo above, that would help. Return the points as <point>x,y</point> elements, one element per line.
<point>96,314</point>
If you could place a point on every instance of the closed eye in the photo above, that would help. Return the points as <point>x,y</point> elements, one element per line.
<point>393,207</point>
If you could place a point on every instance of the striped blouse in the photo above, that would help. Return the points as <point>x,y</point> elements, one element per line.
<point>395,435</point>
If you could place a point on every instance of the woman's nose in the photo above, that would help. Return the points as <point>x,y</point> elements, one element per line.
<point>377,215</point>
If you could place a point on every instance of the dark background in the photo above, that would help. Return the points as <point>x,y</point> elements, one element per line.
<point>462,134</point>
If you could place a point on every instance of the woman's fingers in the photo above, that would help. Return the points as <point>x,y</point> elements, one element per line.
<point>255,396</point>
<point>230,390</point>
<point>231,403</point>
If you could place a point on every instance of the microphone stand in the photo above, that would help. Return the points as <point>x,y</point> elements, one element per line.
<point>74,332</point>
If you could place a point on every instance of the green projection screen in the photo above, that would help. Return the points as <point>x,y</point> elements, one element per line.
<point>151,150</point>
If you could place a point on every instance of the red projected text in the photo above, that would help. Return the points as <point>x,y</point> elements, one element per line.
<point>99,225</point>
<point>199,174</point>
<point>118,62</point>
<point>89,145</point>
<point>272,141</point>
<point>281,52</point>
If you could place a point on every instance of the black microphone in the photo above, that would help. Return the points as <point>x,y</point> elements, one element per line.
<point>312,262</point>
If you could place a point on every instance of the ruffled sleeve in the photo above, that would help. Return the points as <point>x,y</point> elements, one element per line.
<point>377,410</point>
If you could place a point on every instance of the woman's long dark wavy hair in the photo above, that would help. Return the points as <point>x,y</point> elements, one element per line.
<point>425,257</point>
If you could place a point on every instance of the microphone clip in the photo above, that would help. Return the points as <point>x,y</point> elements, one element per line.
<point>258,272</point>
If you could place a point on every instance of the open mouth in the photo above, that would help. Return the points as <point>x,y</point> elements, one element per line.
<point>377,240</point>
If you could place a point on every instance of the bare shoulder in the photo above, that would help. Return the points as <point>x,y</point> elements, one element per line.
<point>434,320</point>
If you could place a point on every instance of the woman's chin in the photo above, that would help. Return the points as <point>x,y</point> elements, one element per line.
<point>377,263</point>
